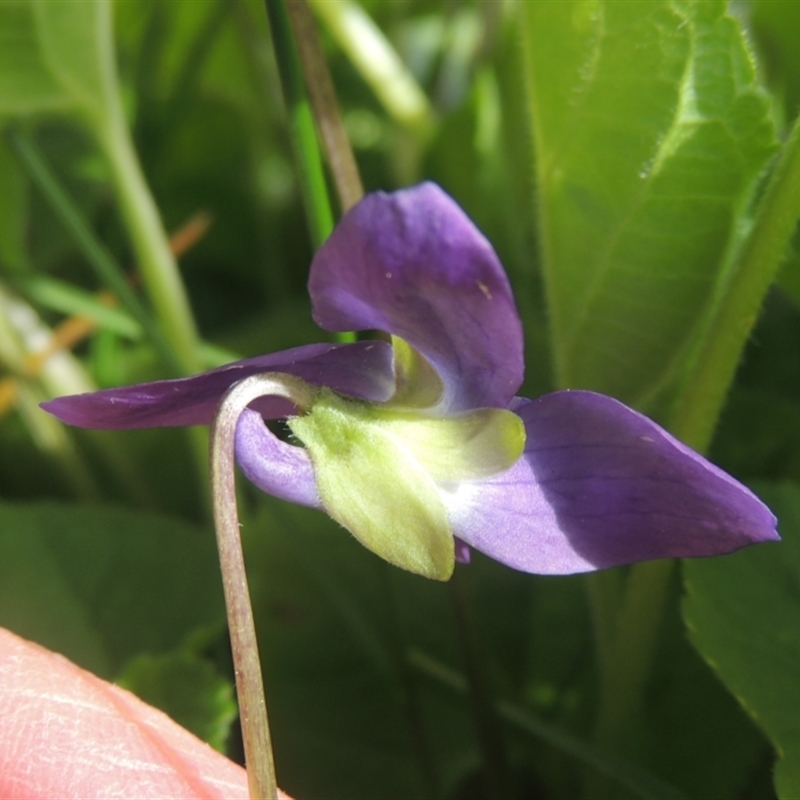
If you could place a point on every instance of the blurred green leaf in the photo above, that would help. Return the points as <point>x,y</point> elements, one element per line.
<point>56,56</point>
<point>69,299</point>
<point>13,205</point>
<point>650,130</point>
<point>104,584</point>
<point>27,84</point>
<point>692,732</point>
<point>76,45</point>
<point>209,127</point>
<point>189,688</point>
<point>743,615</point>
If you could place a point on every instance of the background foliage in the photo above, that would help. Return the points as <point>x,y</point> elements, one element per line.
<point>633,165</point>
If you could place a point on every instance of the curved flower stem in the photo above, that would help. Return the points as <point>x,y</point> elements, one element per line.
<point>244,645</point>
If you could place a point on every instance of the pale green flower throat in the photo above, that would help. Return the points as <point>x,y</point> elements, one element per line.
<point>381,468</point>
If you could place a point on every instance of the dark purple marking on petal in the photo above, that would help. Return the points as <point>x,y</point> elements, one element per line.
<point>600,485</point>
<point>276,467</point>
<point>412,264</point>
<point>361,369</point>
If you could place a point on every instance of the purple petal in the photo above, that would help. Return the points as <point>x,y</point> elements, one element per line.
<point>276,467</point>
<point>600,485</point>
<point>462,551</point>
<point>412,264</point>
<point>362,369</point>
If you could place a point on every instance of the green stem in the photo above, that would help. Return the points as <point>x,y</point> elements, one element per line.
<point>299,52</point>
<point>703,393</point>
<point>156,263</point>
<point>488,727</point>
<point>103,263</point>
<point>150,243</point>
<point>634,646</point>
<point>326,109</point>
<point>301,126</point>
<point>624,675</point>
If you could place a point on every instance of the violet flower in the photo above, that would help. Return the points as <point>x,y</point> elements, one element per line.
<point>420,447</point>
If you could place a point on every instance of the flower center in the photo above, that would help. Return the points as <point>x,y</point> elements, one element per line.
<point>379,471</point>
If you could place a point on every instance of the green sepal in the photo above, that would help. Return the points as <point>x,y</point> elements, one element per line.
<point>418,383</point>
<point>374,486</point>
<point>378,468</point>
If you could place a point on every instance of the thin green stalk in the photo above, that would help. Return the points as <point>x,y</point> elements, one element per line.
<point>489,731</point>
<point>604,590</point>
<point>299,52</point>
<point>629,660</point>
<point>154,258</point>
<point>635,643</point>
<point>87,74</point>
<point>103,263</point>
<point>703,393</point>
<point>323,101</point>
<point>301,126</point>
